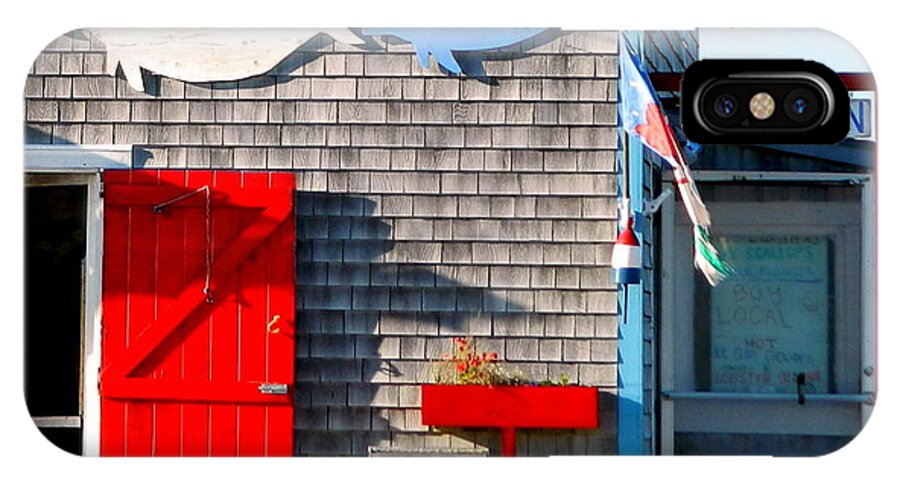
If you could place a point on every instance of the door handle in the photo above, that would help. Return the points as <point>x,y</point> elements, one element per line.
<point>270,327</point>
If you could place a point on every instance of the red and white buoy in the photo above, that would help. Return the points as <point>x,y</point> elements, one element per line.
<point>626,256</point>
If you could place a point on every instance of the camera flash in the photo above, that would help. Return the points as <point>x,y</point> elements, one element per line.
<point>762,105</point>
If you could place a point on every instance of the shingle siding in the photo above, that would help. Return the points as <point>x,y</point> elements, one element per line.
<point>428,207</point>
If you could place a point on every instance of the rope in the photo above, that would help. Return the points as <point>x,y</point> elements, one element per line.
<point>159,209</point>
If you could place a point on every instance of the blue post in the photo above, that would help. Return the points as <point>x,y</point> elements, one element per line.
<point>631,319</point>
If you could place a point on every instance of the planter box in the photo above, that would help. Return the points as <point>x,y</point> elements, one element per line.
<point>509,406</point>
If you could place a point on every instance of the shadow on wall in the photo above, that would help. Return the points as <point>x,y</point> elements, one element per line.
<point>375,312</point>
<point>373,315</point>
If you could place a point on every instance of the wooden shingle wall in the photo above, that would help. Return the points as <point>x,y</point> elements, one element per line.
<point>429,206</point>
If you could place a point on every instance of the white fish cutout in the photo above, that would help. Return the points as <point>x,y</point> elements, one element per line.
<point>205,55</point>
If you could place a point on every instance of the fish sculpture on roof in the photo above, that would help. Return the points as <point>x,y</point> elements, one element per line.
<point>205,55</point>
<point>442,42</point>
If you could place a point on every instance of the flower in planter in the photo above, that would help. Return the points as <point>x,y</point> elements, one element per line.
<point>466,366</point>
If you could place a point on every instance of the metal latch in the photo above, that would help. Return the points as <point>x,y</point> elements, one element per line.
<point>273,389</point>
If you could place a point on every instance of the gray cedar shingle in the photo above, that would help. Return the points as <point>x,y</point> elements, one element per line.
<point>164,134</point>
<point>97,134</point>
<point>251,158</point>
<point>442,89</point>
<point>570,65</point>
<point>490,253</point>
<point>361,112</point>
<point>303,135</point>
<point>175,112</point>
<point>238,134</point>
<point>413,229</point>
<point>442,159</point>
<point>70,133</point>
<point>509,277</point>
<point>413,88</point>
<point>560,161</point>
<point>130,134</point>
<point>198,158</point>
<point>47,63</point>
<point>506,89</point>
<point>415,276</point>
<point>57,87</point>
<point>465,275</point>
<point>198,90</point>
<point>41,110</point>
<point>294,87</point>
<point>474,89</point>
<point>93,87</point>
<point>522,349</point>
<point>94,63</point>
<point>593,137</point>
<point>72,63</point>
<point>431,112</point>
<point>398,112</point>
<point>444,136</point>
<point>603,351</point>
<point>550,350</point>
<point>387,65</point>
<point>435,206</point>
<point>34,86</point>
<point>576,113</point>
<point>335,65</point>
<point>249,112</point>
<point>258,87</point>
<point>200,112</point>
<point>224,111</point>
<point>498,183</point>
<point>497,160</point>
<point>316,112</point>
<point>546,113</point>
<point>170,88</point>
<point>519,113</point>
<point>567,278</point>
<point>337,136</point>
<point>278,158</point>
<point>72,111</point>
<point>600,375</point>
<point>606,66</point>
<point>307,158</point>
<point>531,89</point>
<point>559,89</point>
<point>108,111</point>
<point>478,136</point>
<point>380,88</point>
<point>594,89</point>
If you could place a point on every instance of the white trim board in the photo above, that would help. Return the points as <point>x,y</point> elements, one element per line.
<point>73,158</point>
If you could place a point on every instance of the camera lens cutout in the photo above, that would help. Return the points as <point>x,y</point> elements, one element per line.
<point>802,105</point>
<point>763,101</point>
<point>725,105</point>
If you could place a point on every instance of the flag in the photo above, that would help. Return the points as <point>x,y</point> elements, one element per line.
<point>643,116</point>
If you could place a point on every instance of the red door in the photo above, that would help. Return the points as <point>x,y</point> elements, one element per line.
<point>198,314</point>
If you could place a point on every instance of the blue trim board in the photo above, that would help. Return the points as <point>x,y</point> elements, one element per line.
<point>630,408</point>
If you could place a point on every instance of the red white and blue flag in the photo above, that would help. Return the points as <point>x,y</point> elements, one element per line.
<point>643,116</point>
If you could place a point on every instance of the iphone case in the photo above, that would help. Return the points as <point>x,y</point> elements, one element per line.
<point>437,242</point>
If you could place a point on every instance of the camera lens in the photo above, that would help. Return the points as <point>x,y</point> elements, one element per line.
<point>725,105</point>
<point>801,105</point>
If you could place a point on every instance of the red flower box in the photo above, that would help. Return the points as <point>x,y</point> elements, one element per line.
<point>509,407</point>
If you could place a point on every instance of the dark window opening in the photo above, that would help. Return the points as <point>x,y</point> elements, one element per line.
<point>55,228</point>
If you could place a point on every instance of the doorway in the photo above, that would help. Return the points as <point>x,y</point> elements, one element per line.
<point>59,307</point>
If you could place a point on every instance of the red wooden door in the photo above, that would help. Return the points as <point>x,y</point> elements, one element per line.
<point>198,314</point>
